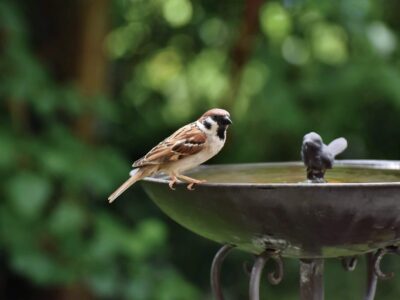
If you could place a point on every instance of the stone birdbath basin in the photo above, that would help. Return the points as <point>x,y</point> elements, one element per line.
<point>269,210</point>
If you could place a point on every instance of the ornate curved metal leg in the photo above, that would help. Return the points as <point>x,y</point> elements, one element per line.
<point>255,277</point>
<point>274,277</point>
<point>374,271</point>
<point>311,273</point>
<point>372,279</point>
<point>349,263</point>
<point>377,265</point>
<point>247,268</point>
<point>216,271</point>
<point>311,279</point>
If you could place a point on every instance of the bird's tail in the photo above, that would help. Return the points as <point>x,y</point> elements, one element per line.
<point>136,175</point>
<point>337,146</point>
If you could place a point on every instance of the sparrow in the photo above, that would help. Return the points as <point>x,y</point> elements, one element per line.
<point>318,157</point>
<point>186,148</point>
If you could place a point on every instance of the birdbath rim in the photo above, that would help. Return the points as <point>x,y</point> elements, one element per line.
<point>354,163</point>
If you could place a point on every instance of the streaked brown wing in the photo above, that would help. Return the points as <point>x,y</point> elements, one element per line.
<point>188,140</point>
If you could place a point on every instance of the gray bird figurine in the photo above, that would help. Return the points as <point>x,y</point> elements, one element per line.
<point>318,157</point>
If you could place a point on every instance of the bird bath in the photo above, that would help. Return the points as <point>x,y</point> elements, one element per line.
<point>269,210</point>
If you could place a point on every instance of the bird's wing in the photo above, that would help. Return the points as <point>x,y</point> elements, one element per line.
<point>337,146</point>
<point>327,159</point>
<point>186,141</point>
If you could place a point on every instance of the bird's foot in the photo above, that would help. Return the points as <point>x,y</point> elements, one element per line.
<point>172,182</point>
<point>190,186</point>
<point>190,180</point>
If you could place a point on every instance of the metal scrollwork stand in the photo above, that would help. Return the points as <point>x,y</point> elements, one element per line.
<point>311,272</point>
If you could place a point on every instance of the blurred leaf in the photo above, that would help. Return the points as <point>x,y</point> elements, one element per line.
<point>35,265</point>
<point>28,194</point>
<point>67,217</point>
<point>173,287</point>
<point>105,282</point>
<point>7,150</point>
<point>125,39</point>
<point>150,235</point>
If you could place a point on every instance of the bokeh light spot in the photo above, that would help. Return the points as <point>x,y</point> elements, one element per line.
<point>381,38</point>
<point>124,40</point>
<point>214,32</point>
<point>329,43</point>
<point>295,50</point>
<point>254,77</point>
<point>206,75</point>
<point>163,67</point>
<point>177,12</point>
<point>275,21</point>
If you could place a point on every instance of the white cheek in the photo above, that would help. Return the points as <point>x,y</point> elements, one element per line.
<point>214,125</point>
<point>209,131</point>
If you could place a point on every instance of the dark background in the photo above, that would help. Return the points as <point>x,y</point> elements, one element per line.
<point>89,86</point>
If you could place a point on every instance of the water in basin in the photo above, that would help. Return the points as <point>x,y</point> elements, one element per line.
<point>261,173</point>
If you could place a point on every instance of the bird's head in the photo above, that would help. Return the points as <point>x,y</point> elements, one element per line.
<point>312,140</point>
<point>217,116</point>
<point>216,120</point>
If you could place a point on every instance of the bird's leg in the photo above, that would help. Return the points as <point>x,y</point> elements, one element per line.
<point>316,175</point>
<point>172,181</point>
<point>190,180</point>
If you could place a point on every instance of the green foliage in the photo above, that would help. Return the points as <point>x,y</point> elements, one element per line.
<point>327,66</point>
<point>55,226</point>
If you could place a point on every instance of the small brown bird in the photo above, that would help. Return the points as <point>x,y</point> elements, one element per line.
<point>186,148</point>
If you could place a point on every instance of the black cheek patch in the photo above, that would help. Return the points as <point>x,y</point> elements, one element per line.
<point>221,132</point>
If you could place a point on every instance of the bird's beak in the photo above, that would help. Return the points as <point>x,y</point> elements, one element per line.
<point>227,120</point>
